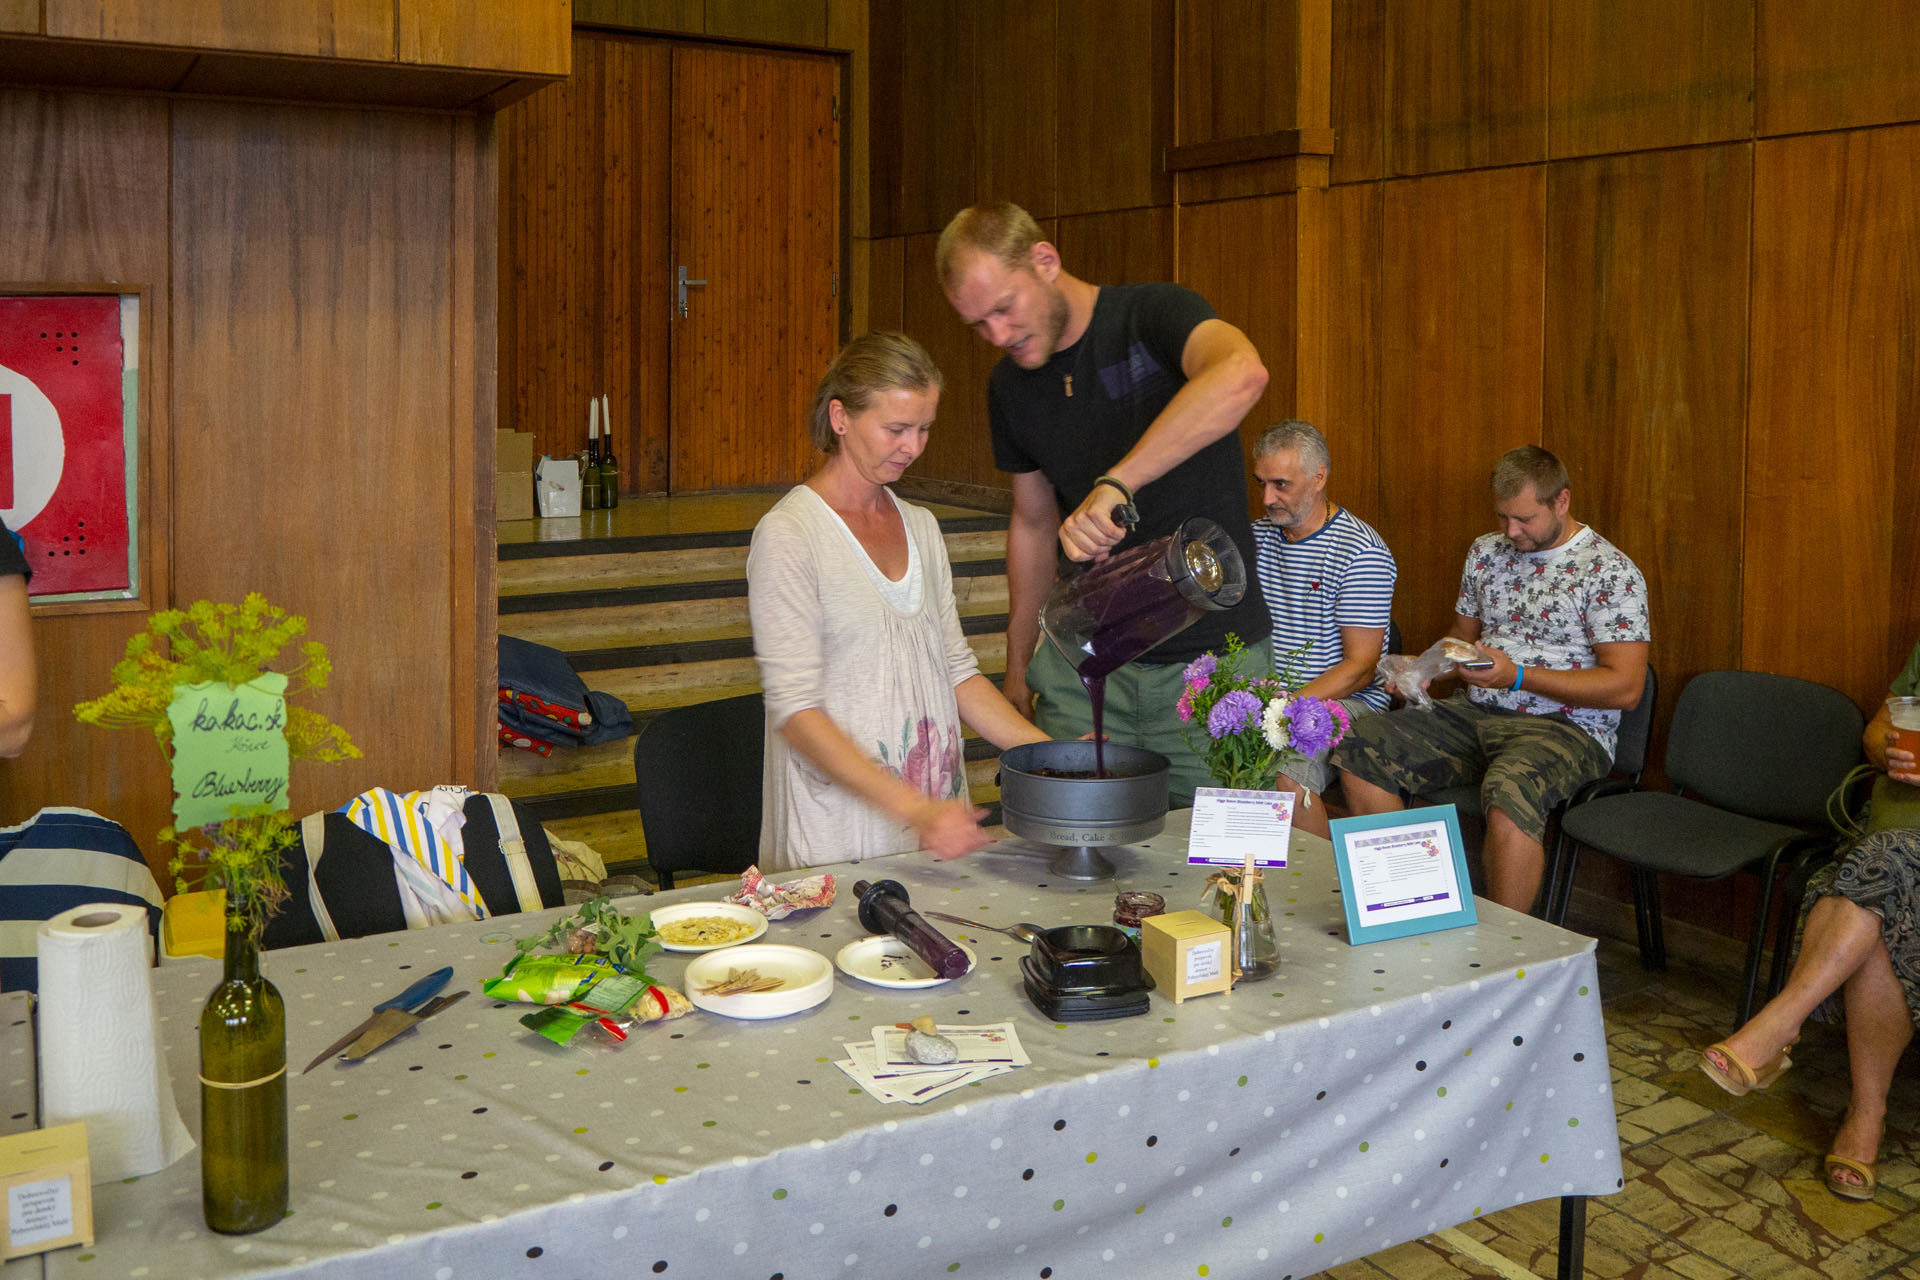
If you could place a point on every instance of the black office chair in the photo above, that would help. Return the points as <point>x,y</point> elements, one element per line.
<point>698,773</point>
<point>1753,758</point>
<point>1629,762</point>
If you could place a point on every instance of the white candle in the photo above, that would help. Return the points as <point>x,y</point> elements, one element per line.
<point>606,415</point>
<point>593,419</point>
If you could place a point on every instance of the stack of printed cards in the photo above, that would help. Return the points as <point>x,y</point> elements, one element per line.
<point>884,1069</point>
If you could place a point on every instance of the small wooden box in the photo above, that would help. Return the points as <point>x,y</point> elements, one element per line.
<point>46,1195</point>
<point>1189,953</point>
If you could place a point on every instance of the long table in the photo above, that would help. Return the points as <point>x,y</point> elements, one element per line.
<point>1362,1097</point>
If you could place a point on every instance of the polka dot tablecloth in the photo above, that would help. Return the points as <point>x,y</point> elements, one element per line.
<point>1360,1098</point>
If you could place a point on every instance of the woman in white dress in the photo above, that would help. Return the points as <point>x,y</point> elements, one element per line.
<point>866,672</point>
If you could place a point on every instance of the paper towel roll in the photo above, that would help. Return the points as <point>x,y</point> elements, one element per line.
<point>99,1039</point>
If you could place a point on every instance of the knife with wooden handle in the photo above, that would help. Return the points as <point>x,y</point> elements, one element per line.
<point>396,1022</point>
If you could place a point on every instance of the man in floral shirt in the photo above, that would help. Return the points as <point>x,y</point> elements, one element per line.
<point>1560,614</point>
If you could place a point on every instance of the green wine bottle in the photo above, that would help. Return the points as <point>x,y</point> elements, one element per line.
<point>243,1096</point>
<point>609,473</point>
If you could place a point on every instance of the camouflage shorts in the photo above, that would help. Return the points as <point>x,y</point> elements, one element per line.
<point>1524,765</point>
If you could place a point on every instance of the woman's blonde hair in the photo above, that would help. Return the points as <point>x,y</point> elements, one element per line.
<point>876,362</point>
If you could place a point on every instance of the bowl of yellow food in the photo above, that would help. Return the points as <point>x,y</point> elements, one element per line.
<point>706,926</point>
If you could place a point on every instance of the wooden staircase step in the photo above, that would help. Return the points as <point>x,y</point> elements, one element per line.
<point>673,624</point>
<point>678,515</point>
<point>640,569</point>
<point>612,543</point>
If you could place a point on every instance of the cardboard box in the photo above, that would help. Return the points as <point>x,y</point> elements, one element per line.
<point>46,1193</point>
<point>513,451</point>
<point>1189,953</point>
<point>513,495</point>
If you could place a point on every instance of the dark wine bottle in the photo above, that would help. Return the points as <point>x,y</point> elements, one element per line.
<point>243,1096</point>
<point>609,466</point>
<point>590,468</point>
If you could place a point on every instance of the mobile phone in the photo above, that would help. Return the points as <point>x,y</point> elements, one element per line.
<point>1478,664</point>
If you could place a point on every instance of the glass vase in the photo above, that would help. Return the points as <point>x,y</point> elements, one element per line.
<point>243,1095</point>
<point>1255,952</point>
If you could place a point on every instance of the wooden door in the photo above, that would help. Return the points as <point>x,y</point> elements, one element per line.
<point>756,216</point>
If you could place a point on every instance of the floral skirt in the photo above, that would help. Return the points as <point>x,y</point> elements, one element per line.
<point>1882,874</point>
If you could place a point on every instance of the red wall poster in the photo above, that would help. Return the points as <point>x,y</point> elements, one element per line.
<point>64,448</point>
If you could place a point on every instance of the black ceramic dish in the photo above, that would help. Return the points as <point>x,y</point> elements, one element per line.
<point>1085,972</point>
<point>1082,1005</point>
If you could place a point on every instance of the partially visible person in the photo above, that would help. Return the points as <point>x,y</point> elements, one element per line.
<point>18,675</point>
<point>1109,398</point>
<point>1328,581</point>
<point>1859,958</point>
<point>1557,620</point>
<point>866,672</point>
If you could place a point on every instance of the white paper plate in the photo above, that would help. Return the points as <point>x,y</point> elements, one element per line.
<point>688,910</point>
<point>885,961</point>
<point>809,980</point>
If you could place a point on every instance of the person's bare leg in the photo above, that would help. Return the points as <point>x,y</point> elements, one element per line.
<point>1838,939</point>
<point>1310,818</point>
<point>1363,797</point>
<point>1515,862</point>
<point>1878,1029</point>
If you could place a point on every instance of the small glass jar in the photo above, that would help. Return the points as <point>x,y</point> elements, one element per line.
<point>1131,906</point>
<point>1256,951</point>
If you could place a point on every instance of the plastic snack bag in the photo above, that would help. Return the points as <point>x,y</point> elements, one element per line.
<point>1409,676</point>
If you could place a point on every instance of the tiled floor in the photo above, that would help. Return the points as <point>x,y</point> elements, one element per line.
<point>1717,1186</point>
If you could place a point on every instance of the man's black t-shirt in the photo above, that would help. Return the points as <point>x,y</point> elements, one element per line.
<point>1122,372</point>
<point>12,558</point>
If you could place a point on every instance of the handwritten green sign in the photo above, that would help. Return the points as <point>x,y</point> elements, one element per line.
<point>229,748</point>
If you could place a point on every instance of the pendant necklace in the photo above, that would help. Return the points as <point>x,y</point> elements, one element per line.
<point>1069,378</point>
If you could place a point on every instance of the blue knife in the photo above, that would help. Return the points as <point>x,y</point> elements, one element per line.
<point>414,996</point>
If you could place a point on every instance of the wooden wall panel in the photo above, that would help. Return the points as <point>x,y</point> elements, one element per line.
<point>1014,42</point>
<point>1240,71</point>
<point>1834,65</point>
<point>1243,257</point>
<point>923,143</point>
<point>317,28</point>
<point>1358,89</point>
<point>20,15</point>
<point>1630,75</point>
<point>1466,84</point>
<point>1349,416</point>
<point>1115,77</point>
<point>533,36</point>
<point>881,304</point>
<point>311,459</point>
<point>959,449</point>
<point>1130,247</point>
<point>1461,315</point>
<point>799,22</point>
<point>1829,588</point>
<point>687,16</point>
<point>473,666</point>
<point>87,204</point>
<point>1646,386</point>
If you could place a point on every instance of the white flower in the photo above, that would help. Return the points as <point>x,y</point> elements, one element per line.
<point>1273,723</point>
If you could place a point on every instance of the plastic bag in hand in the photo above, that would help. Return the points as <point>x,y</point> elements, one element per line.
<point>1409,676</point>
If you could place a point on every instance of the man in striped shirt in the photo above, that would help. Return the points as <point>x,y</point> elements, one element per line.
<point>1328,579</point>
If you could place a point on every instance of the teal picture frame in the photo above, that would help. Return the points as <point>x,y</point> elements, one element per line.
<point>1378,921</point>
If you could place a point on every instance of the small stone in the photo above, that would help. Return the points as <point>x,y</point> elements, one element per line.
<point>931,1050</point>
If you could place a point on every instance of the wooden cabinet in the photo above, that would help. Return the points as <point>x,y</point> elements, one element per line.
<point>410,53</point>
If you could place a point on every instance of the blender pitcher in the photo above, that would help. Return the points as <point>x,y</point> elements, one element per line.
<point>1117,609</point>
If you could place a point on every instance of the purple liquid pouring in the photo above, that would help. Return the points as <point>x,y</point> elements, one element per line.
<point>1132,607</point>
